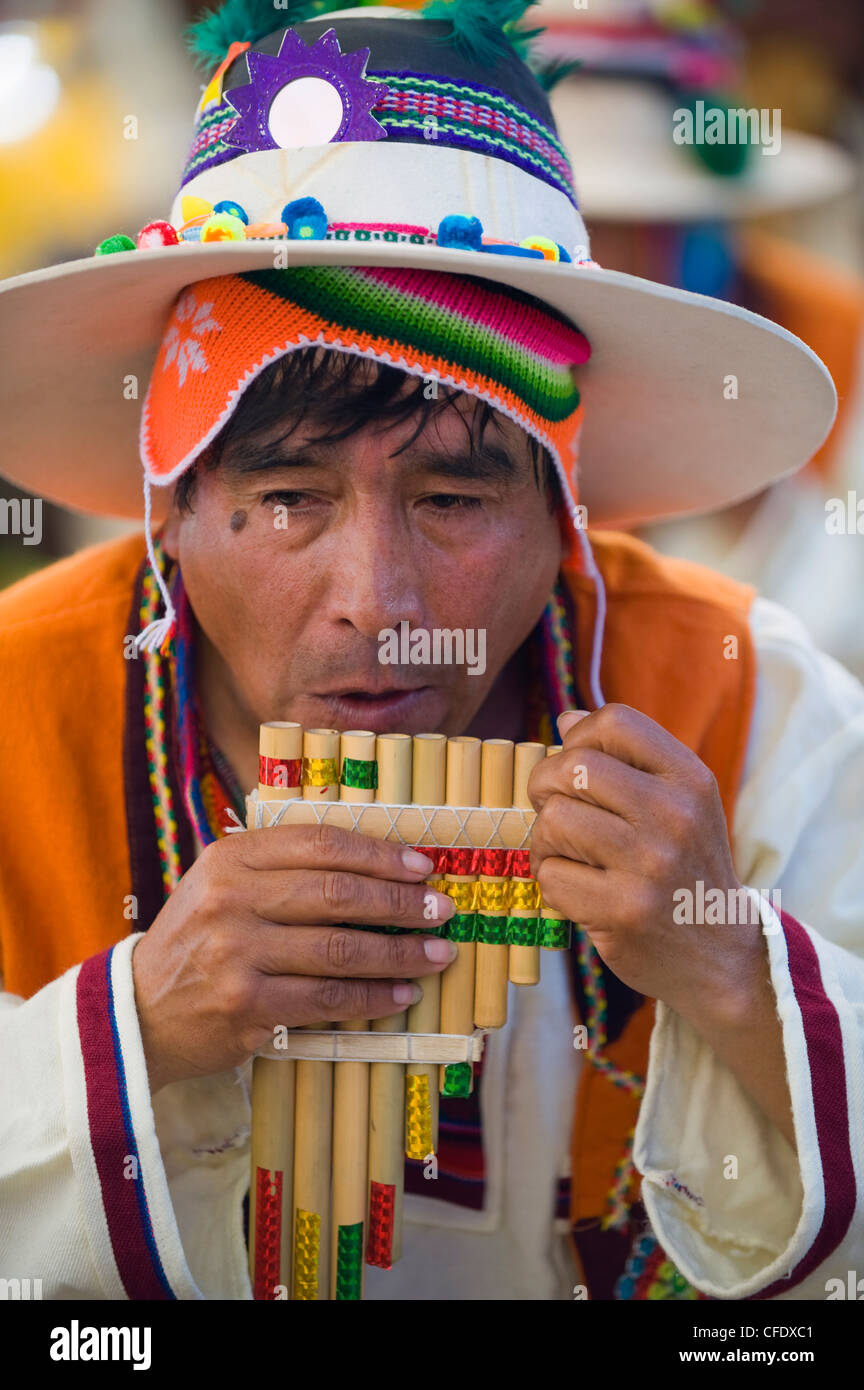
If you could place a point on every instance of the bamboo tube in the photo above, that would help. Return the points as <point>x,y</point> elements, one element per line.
<point>321,765</point>
<point>554,929</point>
<point>312,1131</point>
<point>493,956</point>
<point>351,1080</point>
<point>387,1079</point>
<point>273,1083</point>
<point>421,1099</point>
<point>457,981</point>
<point>525,960</point>
<point>314,1084</point>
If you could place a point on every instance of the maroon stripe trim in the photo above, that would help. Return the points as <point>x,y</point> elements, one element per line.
<point>824,1041</point>
<point>111,1139</point>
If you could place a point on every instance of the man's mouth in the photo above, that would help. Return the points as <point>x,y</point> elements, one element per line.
<point>376,710</point>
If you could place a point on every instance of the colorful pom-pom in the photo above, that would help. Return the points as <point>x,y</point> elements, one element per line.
<point>190,233</point>
<point>305,219</point>
<point>222,226</point>
<point>190,207</point>
<point>549,249</point>
<point>233,210</point>
<point>157,234</point>
<point>118,242</point>
<point>463,233</point>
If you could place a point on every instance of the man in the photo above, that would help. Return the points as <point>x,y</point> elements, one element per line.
<point>363,437</point>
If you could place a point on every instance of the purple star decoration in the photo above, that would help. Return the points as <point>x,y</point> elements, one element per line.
<point>305,96</point>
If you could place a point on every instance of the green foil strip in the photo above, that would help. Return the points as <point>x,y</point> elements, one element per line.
<point>457,1080</point>
<point>492,931</point>
<point>523,931</point>
<point>554,933</point>
<point>349,1262</point>
<point>360,772</point>
<point>461,927</point>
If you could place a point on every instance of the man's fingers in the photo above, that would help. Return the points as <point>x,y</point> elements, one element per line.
<point>630,736</point>
<point>328,847</point>
<point>573,829</point>
<point>330,1000</point>
<point>593,777</point>
<point>330,895</point>
<point>344,953</point>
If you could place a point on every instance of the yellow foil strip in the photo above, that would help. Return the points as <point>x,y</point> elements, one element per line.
<point>418,1118</point>
<point>307,1245</point>
<point>320,772</point>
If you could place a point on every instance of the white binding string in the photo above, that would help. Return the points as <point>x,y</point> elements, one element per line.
<point>599,617</point>
<point>155,633</point>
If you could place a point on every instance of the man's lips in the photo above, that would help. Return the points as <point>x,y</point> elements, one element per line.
<point>372,709</point>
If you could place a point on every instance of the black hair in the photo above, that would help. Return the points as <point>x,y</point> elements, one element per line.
<point>339,389</point>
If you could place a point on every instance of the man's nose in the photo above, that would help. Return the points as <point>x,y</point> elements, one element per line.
<point>375,578</point>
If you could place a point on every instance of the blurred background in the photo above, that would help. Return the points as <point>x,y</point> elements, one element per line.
<point>96,106</point>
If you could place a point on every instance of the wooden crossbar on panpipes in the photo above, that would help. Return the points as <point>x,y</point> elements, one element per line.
<point>336,1111</point>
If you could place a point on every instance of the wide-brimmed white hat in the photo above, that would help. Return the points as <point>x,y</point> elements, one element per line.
<point>435,149</point>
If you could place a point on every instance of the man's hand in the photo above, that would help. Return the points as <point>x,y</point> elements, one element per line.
<point>254,937</point>
<point>627,815</point>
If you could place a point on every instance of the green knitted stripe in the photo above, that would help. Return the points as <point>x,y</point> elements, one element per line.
<point>350,299</point>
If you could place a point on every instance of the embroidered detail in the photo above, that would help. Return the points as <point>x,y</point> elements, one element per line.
<point>671,1181</point>
<point>182,341</point>
<point>304,95</point>
<point>234,1141</point>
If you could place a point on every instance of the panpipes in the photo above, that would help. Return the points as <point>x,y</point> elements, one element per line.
<point>336,1110</point>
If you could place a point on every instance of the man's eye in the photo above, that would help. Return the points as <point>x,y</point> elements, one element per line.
<point>453,501</point>
<point>285,499</point>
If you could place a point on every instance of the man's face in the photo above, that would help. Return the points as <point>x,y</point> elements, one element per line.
<point>295,565</point>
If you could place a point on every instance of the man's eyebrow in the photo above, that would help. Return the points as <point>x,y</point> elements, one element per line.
<point>488,463</point>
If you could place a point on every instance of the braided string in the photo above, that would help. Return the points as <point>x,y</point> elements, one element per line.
<point>561,682</point>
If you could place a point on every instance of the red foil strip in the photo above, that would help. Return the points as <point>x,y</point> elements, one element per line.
<point>268,1234</point>
<point>520,866</point>
<point>382,1210</point>
<point>495,863</point>
<point>433,852</point>
<point>278,772</point>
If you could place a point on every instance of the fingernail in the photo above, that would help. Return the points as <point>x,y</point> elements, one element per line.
<point>406,994</point>
<point>438,949</point>
<point>417,863</point>
<point>569,718</point>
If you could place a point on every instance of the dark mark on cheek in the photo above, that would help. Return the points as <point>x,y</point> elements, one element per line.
<point>238,521</point>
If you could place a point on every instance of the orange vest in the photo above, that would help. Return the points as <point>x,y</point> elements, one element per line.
<point>677,646</point>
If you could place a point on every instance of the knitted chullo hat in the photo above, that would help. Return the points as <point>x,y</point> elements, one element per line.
<point>479,337</point>
<point>419,142</point>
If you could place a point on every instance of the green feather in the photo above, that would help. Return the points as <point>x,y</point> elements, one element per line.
<point>552,73</point>
<point>247,21</point>
<point>483,30</point>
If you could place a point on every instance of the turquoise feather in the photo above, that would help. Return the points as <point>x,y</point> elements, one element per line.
<point>482,30</point>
